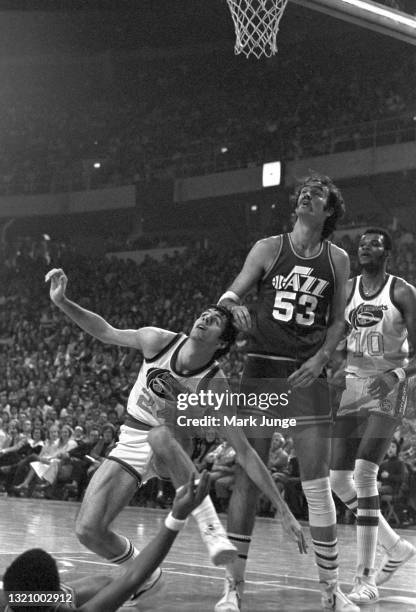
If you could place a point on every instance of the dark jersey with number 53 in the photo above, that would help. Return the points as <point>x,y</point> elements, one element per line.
<point>291,313</point>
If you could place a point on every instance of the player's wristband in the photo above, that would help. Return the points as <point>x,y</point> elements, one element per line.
<point>174,524</point>
<point>400,373</point>
<point>229,295</point>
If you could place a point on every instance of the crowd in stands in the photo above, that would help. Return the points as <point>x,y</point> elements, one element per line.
<point>166,124</point>
<point>63,394</point>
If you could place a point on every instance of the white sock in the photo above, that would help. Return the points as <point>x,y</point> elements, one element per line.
<point>235,571</point>
<point>205,515</point>
<point>130,552</point>
<point>365,477</point>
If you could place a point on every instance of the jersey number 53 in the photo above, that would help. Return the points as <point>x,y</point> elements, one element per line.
<point>286,305</point>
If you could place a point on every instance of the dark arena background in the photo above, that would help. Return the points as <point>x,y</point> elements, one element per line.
<point>134,152</point>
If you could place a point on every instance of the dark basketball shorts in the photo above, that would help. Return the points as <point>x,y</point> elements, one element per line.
<point>265,378</point>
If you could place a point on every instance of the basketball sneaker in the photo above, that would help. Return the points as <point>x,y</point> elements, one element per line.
<point>393,559</point>
<point>151,585</point>
<point>334,599</point>
<point>230,601</point>
<point>220,549</point>
<point>364,591</point>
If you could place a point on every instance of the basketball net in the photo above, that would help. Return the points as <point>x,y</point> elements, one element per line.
<point>256,24</point>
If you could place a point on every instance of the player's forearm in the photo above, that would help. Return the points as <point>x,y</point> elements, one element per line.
<point>89,321</point>
<point>119,590</point>
<point>259,474</point>
<point>333,336</point>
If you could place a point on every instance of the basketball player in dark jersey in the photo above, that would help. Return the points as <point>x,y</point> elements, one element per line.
<point>380,315</point>
<point>298,322</point>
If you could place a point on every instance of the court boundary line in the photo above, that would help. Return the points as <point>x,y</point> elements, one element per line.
<point>221,569</point>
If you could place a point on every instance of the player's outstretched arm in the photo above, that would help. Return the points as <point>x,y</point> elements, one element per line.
<point>115,594</point>
<point>147,339</point>
<point>250,461</point>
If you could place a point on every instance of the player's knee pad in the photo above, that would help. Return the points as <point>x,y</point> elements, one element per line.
<point>321,505</point>
<point>365,476</point>
<point>342,483</point>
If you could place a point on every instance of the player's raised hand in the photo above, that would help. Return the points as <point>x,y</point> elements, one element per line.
<point>293,529</point>
<point>190,495</point>
<point>59,281</point>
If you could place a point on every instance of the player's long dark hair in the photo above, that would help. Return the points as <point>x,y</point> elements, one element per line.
<point>335,201</point>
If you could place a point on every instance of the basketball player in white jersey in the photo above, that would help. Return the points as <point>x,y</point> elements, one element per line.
<point>380,315</point>
<point>173,364</point>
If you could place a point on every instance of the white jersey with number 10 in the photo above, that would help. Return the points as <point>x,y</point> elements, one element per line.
<point>377,338</point>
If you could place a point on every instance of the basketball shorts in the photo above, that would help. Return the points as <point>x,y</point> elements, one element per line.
<point>265,378</point>
<point>356,400</point>
<point>134,453</point>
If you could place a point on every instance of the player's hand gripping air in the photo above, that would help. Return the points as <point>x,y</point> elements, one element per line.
<point>293,529</point>
<point>190,495</point>
<point>59,281</point>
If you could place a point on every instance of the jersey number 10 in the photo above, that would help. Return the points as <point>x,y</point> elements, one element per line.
<point>372,343</point>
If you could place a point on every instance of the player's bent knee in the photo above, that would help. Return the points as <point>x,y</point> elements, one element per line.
<point>321,505</point>
<point>88,531</point>
<point>365,473</point>
<point>342,482</point>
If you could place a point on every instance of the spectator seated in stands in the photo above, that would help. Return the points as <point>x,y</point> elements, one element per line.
<point>277,464</point>
<point>45,468</point>
<point>19,442</point>
<point>393,482</point>
<point>101,449</point>
<point>77,464</point>
<point>203,447</point>
<point>392,472</point>
<point>223,466</point>
<point>14,473</point>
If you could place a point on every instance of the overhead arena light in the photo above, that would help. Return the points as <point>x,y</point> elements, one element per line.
<point>272,173</point>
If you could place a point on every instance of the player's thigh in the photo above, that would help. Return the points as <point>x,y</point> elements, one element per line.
<point>345,440</point>
<point>377,437</point>
<point>110,489</point>
<point>312,446</point>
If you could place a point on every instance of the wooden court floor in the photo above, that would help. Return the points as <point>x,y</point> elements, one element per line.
<point>278,577</point>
